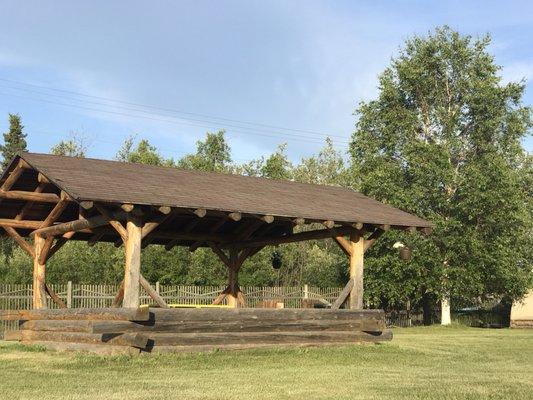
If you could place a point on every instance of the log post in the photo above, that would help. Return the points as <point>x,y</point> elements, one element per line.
<point>356,271</point>
<point>39,270</point>
<point>132,270</point>
<point>233,279</point>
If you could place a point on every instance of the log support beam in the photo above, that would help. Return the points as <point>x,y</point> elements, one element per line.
<point>132,270</point>
<point>39,274</point>
<point>233,261</point>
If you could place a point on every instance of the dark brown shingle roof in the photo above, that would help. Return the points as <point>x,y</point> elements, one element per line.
<point>117,182</point>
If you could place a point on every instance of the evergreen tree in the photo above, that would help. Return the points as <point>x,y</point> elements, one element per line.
<point>14,140</point>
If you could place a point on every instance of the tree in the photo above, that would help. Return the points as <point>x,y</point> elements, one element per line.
<point>212,154</point>
<point>143,153</point>
<point>442,140</point>
<point>14,140</point>
<point>73,147</point>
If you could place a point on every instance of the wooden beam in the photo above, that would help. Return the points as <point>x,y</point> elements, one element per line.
<point>119,296</point>
<point>291,238</point>
<point>267,218</point>
<point>22,224</point>
<point>24,210</point>
<point>298,221</point>
<point>358,225</point>
<point>111,220</point>
<point>86,204</point>
<point>14,175</point>
<point>96,237</point>
<point>41,178</point>
<point>212,230</point>
<point>329,224</point>
<point>356,271</point>
<point>77,225</point>
<point>55,297</point>
<point>55,213</point>
<point>344,244</point>
<point>150,226</point>
<point>30,196</point>
<point>28,248</point>
<point>127,207</point>
<point>372,239</point>
<point>43,256</point>
<point>218,251</point>
<point>57,245</point>
<point>75,314</point>
<point>39,277</point>
<point>152,292</point>
<point>235,216</point>
<point>164,209</point>
<point>186,229</point>
<point>343,295</point>
<point>132,269</point>
<point>200,212</point>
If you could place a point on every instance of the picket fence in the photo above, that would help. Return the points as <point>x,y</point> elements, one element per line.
<point>16,296</point>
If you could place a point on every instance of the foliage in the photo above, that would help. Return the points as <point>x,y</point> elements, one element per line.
<point>14,140</point>
<point>442,140</point>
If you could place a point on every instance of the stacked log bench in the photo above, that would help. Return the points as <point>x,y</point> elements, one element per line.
<point>154,330</point>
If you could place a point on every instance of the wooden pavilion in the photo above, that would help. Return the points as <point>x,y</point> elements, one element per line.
<point>48,200</point>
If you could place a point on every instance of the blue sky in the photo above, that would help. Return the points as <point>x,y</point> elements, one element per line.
<point>295,69</point>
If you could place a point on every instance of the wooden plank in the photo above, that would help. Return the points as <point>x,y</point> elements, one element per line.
<point>258,325</point>
<point>225,338</point>
<point>132,270</point>
<point>133,339</point>
<point>100,349</point>
<point>120,314</point>
<point>343,295</point>
<point>62,326</point>
<point>253,314</point>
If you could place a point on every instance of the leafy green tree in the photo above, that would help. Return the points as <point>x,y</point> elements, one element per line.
<point>14,140</point>
<point>143,153</point>
<point>212,154</point>
<point>442,140</point>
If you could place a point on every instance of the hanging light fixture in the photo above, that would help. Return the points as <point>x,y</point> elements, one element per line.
<point>404,251</point>
<point>276,259</point>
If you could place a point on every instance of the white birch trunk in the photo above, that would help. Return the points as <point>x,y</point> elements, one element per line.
<point>445,313</point>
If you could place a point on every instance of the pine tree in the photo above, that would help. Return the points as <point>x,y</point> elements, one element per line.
<point>14,140</point>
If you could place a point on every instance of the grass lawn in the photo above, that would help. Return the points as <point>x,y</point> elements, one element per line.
<point>420,363</point>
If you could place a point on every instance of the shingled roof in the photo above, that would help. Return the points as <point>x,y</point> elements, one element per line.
<point>86,179</point>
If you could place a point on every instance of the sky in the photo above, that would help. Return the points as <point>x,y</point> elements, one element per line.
<point>267,72</point>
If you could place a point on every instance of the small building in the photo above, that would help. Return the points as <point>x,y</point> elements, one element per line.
<point>522,312</point>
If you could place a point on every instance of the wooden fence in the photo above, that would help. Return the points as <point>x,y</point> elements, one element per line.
<point>15,296</point>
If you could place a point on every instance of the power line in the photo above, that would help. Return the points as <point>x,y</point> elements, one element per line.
<point>310,132</point>
<point>150,116</point>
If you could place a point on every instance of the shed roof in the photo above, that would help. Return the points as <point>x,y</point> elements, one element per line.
<point>86,179</point>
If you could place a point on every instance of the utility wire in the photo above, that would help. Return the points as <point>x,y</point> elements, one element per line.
<point>310,132</point>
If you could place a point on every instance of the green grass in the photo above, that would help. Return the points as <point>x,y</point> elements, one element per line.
<point>420,363</point>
